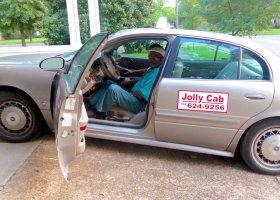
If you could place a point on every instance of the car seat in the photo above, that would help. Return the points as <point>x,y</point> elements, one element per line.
<point>248,71</point>
<point>229,72</point>
<point>117,113</point>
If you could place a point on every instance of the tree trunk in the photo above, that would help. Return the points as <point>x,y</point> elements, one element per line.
<point>234,33</point>
<point>22,35</point>
<point>30,36</point>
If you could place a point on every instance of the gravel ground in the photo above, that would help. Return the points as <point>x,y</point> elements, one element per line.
<point>114,170</point>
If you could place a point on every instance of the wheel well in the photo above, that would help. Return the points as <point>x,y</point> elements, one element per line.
<point>246,131</point>
<point>53,89</point>
<point>18,91</point>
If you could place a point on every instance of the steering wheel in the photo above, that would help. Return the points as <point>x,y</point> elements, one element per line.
<point>109,67</point>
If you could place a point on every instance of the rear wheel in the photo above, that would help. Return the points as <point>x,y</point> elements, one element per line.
<point>260,149</point>
<point>19,120</point>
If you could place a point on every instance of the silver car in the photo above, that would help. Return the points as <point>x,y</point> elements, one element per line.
<point>214,94</point>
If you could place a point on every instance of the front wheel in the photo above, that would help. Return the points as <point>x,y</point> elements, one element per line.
<point>260,148</point>
<point>19,119</point>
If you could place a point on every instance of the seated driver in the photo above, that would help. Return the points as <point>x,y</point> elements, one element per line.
<point>134,100</point>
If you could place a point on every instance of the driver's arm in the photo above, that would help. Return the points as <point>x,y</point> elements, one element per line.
<point>88,78</point>
<point>136,71</point>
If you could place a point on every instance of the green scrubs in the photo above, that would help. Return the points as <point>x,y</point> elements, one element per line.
<point>111,94</point>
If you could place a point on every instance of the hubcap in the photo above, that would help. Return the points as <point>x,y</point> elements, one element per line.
<point>15,118</point>
<point>270,148</point>
<point>267,148</point>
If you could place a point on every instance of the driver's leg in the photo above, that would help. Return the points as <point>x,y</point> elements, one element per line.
<point>99,94</point>
<point>116,95</point>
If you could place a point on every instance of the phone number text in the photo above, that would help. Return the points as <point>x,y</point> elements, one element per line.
<point>204,107</point>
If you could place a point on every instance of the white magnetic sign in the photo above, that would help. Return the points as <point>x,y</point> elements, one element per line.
<point>203,101</point>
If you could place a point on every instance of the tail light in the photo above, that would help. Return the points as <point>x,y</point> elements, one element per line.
<point>82,128</point>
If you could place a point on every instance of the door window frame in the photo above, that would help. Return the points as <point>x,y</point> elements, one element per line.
<point>175,48</point>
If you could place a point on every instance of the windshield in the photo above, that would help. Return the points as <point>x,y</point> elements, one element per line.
<point>81,59</point>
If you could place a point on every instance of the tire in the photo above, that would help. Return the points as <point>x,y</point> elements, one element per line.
<point>260,148</point>
<point>20,120</point>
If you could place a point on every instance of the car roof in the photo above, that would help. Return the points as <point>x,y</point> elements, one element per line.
<point>157,31</point>
<point>244,42</point>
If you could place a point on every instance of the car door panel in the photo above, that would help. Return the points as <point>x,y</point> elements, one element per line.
<point>70,141</point>
<point>208,129</point>
<point>69,111</point>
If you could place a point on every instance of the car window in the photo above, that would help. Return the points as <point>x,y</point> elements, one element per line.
<point>253,67</point>
<point>134,54</point>
<point>137,48</point>
<point>202,50</point>
<point>81,60</point>
<point>207,59</point>
<point>200,59</point>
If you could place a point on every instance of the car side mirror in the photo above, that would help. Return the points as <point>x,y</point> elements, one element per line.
<point>52,64</point>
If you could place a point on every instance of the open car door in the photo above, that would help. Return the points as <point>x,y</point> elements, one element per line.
<point>70,116</point>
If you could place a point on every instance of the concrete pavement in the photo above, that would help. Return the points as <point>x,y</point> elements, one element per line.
<point>12,156</point>
<point>271,42</point>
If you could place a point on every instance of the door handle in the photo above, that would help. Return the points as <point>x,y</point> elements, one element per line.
<point>255,96</point>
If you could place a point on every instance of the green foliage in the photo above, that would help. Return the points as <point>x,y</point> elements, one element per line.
<point>121,14</point>
<point>125,14</point>
<point>240,17</point>
<point>21,15</point>
<point>158,10</point>
<point>189,17</point>
<point>55,26</point>
<point>84,20</point>
<point>84,27</point>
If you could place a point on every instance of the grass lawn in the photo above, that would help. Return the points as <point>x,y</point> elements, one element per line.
<point>34,40</point>
<point>269,32</point>
<point>203,52</point>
